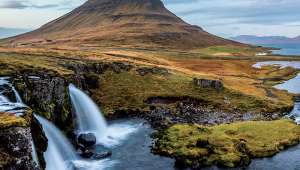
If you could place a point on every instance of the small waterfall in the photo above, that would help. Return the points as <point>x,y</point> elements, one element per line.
<point>17,108</point>
<point>34,155</point>
<point>18,97</point>
<point>89,117</point>
<point>60,152</point>
<point>295,114</point>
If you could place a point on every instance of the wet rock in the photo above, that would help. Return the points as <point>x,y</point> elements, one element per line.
<point>101,155</point>
<point>86,140</point>
<point>205,83</point>
<point>86,153</point>
<point>48,96</point>
<point>94,153</point>
<point>15,149</point>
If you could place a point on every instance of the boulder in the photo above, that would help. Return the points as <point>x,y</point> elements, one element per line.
<point>205,83</point>
<point>152,70</point>
<point>101,155</point>
<point>86,140</point>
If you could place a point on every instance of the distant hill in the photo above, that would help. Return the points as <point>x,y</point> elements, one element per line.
<point>139,23</point>
<point>251,39</point>
<point>9,32</point>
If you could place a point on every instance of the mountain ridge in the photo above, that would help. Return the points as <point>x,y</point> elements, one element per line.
<point>252,39</point>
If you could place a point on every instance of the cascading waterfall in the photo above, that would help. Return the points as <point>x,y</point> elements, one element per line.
<point>60,153</point>
<point>89,117</point>
<point>5,104</point>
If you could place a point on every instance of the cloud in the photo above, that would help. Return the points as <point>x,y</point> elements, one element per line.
<point>21,4</point>
<point>245,11</point>
<point>13,5</point>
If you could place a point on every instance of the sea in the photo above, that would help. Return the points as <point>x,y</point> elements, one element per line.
<point>285,49</point>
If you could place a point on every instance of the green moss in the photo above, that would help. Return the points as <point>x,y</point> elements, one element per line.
<point>232,50</point>
<point>229,144</point>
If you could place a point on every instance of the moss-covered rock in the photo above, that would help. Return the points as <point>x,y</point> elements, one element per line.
<point>15,145</point>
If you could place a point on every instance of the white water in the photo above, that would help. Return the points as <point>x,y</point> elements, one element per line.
<point>5,104</point>
<point>296,113</point>
<point>34,155</point>
<point>90,119</point>
<point>60,152</point>
<point>18,97</point>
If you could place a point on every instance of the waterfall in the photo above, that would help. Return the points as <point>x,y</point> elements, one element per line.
<point>18,97</point>
<point>89,118</point>
<point>5,104</point>
<point>296,113</point>
<point>34,154</point>
<point>60,152</point>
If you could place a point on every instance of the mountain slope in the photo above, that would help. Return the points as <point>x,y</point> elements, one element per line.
<point>138,23</point>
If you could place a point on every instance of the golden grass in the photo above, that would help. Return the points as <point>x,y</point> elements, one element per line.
<point>236,73</point>
<point>8,120</point>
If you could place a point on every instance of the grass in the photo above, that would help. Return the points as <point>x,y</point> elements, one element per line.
<point>129,91</point>
<point>227,145</point>
<point>228,50</point>
<point>8,120</point>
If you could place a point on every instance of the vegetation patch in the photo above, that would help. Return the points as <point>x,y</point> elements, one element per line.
<point>8,120</point>
<point>130,91</point>
<point>228,145</point>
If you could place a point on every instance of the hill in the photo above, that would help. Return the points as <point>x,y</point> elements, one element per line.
<point>137,23</point>
<point>251,39</point>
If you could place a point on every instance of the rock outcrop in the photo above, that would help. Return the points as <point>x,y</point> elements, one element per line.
<point>16,149</point>
<point>48,96</point>
<point>205,83</point>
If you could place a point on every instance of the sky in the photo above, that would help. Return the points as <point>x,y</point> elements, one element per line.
<point>226,18</point>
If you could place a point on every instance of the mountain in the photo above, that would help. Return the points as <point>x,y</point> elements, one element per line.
<point>8,32</point>
<point>251,39</point>
<point>138,23</point>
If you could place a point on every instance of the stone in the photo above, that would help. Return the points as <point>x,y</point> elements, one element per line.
<point>101,155</point>
<point>86,140</point>
<point>152,70</point>
<point>205,83</point>
<point>15,147</point>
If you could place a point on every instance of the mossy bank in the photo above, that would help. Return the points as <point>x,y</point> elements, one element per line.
<point>228,145</point>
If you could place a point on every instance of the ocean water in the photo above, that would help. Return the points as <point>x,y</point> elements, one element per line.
<point>285,49</point>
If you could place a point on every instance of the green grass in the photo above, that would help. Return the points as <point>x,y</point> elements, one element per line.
<point>228,49</point>
<point>228,145</point>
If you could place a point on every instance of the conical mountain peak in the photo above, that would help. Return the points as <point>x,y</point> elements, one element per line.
<point>141,23</point>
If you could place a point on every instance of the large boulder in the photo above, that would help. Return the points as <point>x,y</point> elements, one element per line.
<point>86,140</point>
<point>16,148</point>
<point>206,83</point>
